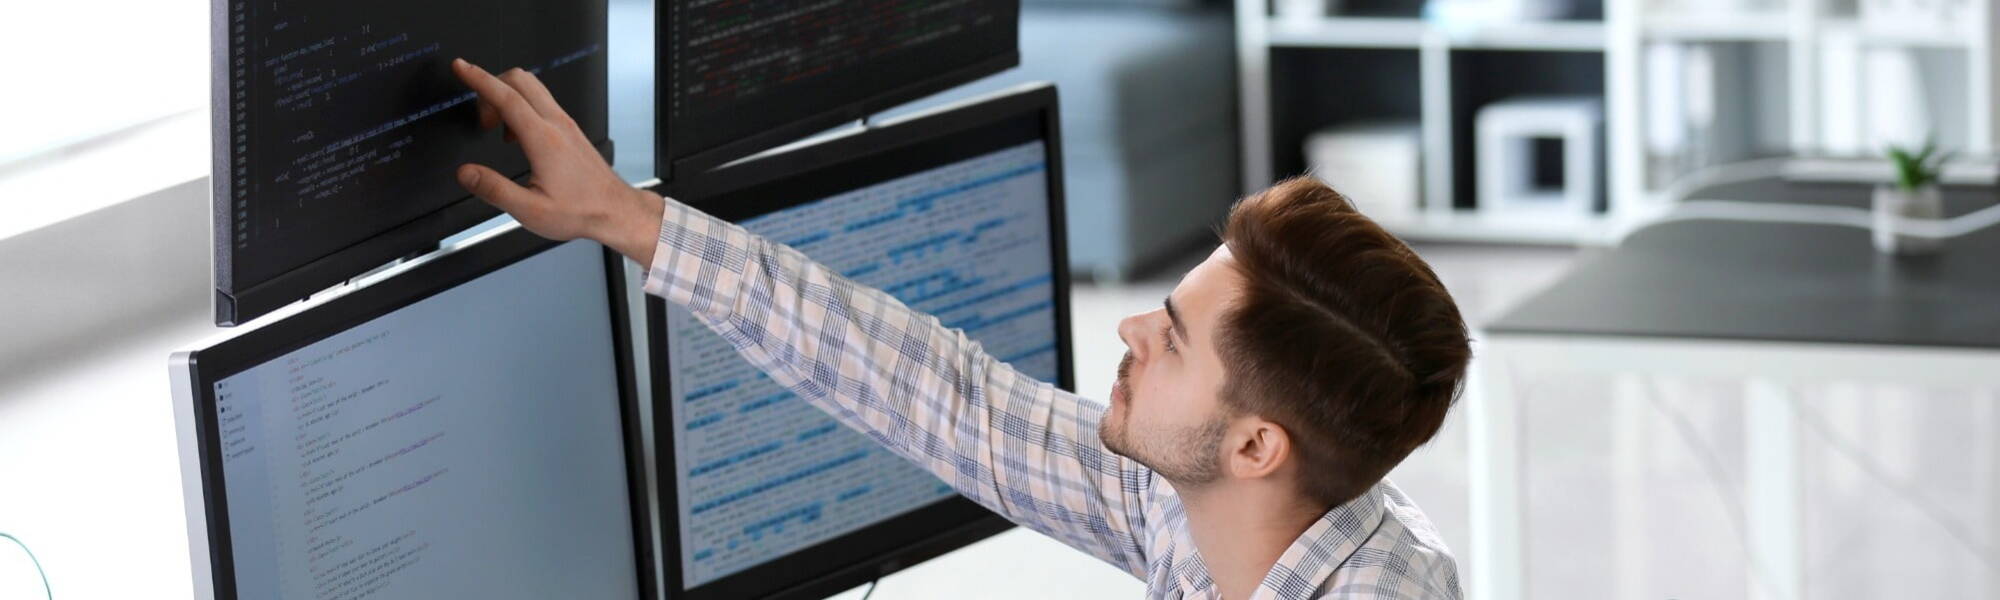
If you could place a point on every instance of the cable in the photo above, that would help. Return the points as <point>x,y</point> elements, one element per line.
<point>46,592</point>
<point>871,588</point>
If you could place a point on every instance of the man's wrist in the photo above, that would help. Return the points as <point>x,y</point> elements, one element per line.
<point>634,231</point>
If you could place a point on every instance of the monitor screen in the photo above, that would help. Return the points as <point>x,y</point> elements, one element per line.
<point>740,77</point>
<point>958,216</point>
<point>338,126</point>
<point>451,439</point>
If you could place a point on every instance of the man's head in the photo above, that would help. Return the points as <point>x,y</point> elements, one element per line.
<point>1311,348</point>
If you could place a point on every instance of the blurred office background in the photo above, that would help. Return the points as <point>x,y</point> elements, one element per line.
<point>1787,413</point>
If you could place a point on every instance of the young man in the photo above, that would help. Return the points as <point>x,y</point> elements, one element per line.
<point>1252,422</point>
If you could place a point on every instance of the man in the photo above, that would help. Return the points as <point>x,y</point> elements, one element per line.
<point>1253,419</point>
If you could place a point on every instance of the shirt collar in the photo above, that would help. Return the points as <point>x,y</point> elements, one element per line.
<point>1323,547</point>
<point>1308,562</point>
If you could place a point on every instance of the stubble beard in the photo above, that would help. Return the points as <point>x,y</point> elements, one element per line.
<point>1186,456</point>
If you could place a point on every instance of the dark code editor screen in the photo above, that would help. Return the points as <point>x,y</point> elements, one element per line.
<point>344,121</point>
<point>741,66</point>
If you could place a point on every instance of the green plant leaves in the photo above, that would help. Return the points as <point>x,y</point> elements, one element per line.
<point>1914,171</point>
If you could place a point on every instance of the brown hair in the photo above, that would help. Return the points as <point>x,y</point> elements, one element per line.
<point>1341,335</point>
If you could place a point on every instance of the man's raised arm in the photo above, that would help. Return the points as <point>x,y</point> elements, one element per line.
<point>1014,444</point>
<point>1006,440</point>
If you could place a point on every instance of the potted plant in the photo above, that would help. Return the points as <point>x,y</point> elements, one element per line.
<point>1914,197</point>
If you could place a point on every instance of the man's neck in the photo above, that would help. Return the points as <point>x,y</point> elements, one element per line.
<point>1241,532</point>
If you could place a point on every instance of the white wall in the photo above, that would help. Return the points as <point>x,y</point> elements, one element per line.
<point>88,282</point>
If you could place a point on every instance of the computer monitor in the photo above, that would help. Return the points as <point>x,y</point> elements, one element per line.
<point>737,78</point>
<point>463,427</point>
<point>338,127</point>
<point>956,212</point>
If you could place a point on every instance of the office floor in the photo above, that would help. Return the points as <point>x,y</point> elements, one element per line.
<point>1024,564</point>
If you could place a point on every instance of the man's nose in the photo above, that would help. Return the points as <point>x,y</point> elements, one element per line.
<point>1132,331</point>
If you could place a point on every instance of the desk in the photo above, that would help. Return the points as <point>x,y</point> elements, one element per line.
<point>1772,306</point>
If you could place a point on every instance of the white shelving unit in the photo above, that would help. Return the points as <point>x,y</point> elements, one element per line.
<point>1769,25</point>
<point>1901,34</point>
<point>1802,100</point>
<point>1434,47</point>
<point>1348,32</point>
<point>1412,33</point>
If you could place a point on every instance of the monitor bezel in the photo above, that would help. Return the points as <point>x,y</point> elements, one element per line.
<point>697,163</point>
<point>926,532</point>
<point>195,371</point>
<point>239,305</point>
<point>238,301</point>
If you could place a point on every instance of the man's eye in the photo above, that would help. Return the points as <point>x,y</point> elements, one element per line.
<point>1167,336</point>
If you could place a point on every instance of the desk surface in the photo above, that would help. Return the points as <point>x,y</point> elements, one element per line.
<point>1777,282</point>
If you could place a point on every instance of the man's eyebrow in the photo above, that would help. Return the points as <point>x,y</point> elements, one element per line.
<point>1175,315</point>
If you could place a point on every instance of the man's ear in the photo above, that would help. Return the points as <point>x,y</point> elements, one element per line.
<point>1258,447</point>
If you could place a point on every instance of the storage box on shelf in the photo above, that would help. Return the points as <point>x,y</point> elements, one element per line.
<point>1378,165</point>
<point>1515,176</point>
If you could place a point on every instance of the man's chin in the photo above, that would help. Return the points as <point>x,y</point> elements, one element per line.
<point>1109,433</point>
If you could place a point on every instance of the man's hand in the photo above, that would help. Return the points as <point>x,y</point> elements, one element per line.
<point>572,193</point>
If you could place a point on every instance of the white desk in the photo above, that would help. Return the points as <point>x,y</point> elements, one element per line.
<point>1776,310</point>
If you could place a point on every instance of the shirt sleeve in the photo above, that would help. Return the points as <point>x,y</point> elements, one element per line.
<point>1016,445</point>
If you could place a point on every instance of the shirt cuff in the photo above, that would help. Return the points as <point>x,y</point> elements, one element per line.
<point>653,278</point>
<point>698,261</point>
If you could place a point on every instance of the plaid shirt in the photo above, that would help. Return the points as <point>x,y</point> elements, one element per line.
<point>1017,445</point>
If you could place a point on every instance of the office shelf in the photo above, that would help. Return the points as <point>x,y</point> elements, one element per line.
<point>1402,32</point>
<point>1301,74</point>
<point>1348,32</point>
<point>1900,34</point>
<point>1789,77</point>
<point>1761,26</point>
<point>1585,36</point>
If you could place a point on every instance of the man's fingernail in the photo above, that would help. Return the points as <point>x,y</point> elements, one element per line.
<point>468,176</point>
